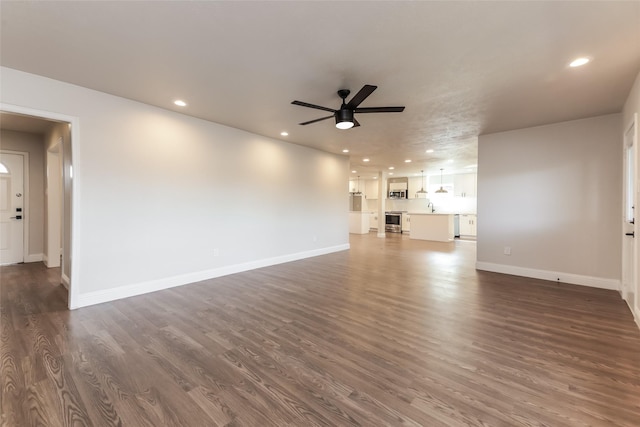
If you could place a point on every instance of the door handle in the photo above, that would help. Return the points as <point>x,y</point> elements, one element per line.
<point>16,217</point>
<point>632,234</point>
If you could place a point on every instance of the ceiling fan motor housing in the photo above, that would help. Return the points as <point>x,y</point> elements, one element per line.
<point>344,115</point>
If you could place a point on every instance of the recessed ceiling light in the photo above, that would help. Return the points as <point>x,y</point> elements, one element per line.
<point>354,171</point>
<point>180,103</point>
<point>365,160</point>
<point>429,150</point>
<point>283,133</point>
<point>450,161</point>
<point>345,151</point>
<point>390,173</point>
<point>471,166</point>
<point>407,161</point>
<point>391,168</point>
<point>375,177</point>
<point>579,62</point>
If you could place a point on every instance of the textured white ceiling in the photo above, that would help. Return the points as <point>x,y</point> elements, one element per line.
<point>460,68</point>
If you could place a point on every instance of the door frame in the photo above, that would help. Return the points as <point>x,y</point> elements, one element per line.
<point>55,217</point>
<point>633,269</point>
<point>74,278</point>
<point>636,226</point>
<point>25,204</point>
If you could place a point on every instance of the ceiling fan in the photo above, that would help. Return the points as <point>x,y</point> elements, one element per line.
<point>344,116</point>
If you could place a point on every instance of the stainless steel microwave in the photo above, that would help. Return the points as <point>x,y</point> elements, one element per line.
<point>398,194</point>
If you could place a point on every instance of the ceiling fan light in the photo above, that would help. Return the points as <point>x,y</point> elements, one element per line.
<point>344,119</point>
<point>344,125</point>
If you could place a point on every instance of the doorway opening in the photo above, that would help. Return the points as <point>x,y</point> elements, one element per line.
<point>48,221</point>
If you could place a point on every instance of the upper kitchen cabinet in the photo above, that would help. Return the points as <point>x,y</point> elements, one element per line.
<point>356,185</point>
<point>371,188</point>
<point>415,184</point>
<point>465,184</point>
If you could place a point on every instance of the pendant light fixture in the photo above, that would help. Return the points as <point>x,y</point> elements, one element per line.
<point>358,192</point>
<point>421,193</point>
<point>441,190</point>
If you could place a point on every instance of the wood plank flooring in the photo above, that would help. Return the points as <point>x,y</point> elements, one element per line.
<point>393,332</point>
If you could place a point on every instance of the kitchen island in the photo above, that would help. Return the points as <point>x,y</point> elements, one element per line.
<point>432,226</point>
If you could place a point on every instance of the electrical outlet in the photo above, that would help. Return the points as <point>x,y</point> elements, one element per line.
<point>216,252</point>
<point>507,250</point>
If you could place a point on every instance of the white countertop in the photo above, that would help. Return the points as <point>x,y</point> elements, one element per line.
<point>440,213</point>
<point>429,213</point>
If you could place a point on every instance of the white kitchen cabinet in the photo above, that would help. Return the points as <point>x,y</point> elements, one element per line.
<point>406,218</point>
<point>373,220</point>
<point>468,225</point>
<point>415,184</point>
<point>371,188</point>
<point>465,185</point>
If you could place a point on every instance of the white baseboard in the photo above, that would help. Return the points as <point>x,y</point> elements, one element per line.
<point>34,258</point>
<point>127,291</point>
<point>634,311</point>
<point>65,280</point>
<point>50,265</point>
<point>554,276</point>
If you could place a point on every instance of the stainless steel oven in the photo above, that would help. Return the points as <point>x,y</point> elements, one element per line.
<point>393,222</point>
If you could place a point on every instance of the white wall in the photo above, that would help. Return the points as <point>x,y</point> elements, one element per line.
<point>160,193</point>
<point>34,145</point>
<point>553,195</point>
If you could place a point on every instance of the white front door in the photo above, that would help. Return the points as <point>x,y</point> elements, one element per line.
<point>11,208</point>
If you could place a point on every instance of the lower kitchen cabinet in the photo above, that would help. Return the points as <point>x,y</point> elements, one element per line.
<point>373,220</point>
<point>468,225</point>
<point>405,222</point>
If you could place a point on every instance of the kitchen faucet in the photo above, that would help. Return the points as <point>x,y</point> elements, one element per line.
<point>433,209</point>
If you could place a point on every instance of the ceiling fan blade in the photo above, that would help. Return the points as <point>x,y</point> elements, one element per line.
<point>316,120</point>
<point>317,107</point>
<point>379,110</point>
<point>355,123</point>
<point>361,96</point>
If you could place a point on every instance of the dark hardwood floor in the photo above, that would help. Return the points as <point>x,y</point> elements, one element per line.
<point>392,332</point>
